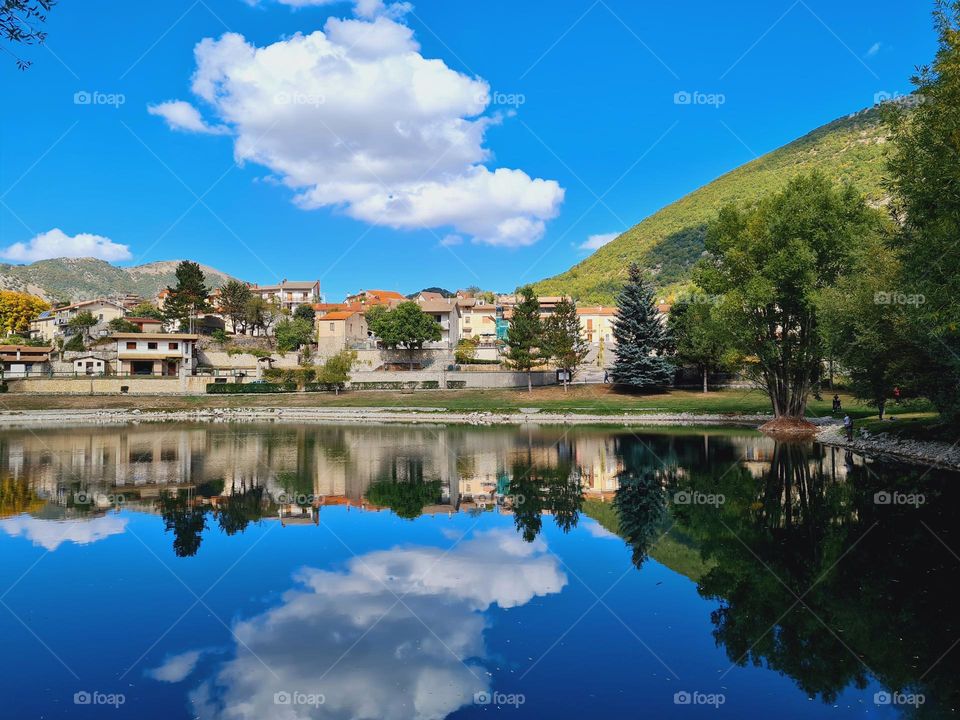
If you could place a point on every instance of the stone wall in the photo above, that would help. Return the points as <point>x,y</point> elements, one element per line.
<point>442,379</point>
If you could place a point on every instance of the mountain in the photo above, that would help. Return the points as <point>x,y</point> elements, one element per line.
<point>79,278</point>
<point>669,242</point>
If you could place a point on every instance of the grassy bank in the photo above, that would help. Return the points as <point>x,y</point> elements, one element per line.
<point>583,399</point>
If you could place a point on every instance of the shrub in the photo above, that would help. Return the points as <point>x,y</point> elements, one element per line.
<point>456,384</point>
<point>220,336</point>
<point>466,350</point>
<point>245,388</point>
<point>75,344</point>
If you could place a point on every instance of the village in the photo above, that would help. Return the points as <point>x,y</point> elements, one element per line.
<point>137,345</point>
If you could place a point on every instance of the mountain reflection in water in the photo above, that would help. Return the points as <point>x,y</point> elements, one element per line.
<point>828,568</point>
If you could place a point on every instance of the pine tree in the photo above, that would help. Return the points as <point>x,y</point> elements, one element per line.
<point>641,337</point>
<point>189,297</point>
<point>524,334</point>
<point>564,338</point>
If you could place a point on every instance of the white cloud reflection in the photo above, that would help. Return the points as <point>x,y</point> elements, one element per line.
<point>344,636</point>
<point>50,534</point>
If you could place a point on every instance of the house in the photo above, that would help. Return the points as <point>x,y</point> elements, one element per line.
<point>89,364</point>
<point>478,320</point>
<point>447,313</point>
<point>596,324</point>
<point>24,360</point>
<point>424,296</point>
<point>341,329</point>
<point>290,294</point>
<point>42,327</point>
<point>102,309</point>
<point>158,354</point>
<point>146,324</point>
<point>376,297</point>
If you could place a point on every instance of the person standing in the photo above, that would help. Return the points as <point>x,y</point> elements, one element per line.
<point>848,426</point>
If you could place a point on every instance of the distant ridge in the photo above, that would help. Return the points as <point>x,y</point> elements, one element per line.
<point>72,279</point>
<point>670,241</point>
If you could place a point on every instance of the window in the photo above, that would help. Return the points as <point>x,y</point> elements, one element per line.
<point>467,319</point>
<point>173,345</point>
<point>331,327</point>
<point>152,346</point>
<point>132,345</point>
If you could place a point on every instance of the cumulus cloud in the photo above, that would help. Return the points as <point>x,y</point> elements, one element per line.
<point>354,117</point>
<point>176,668</point>
<point>50,534</point>
<point>595,242</point>
<point>339,634</point>
<point>56,244</point>
<point>181,115</point>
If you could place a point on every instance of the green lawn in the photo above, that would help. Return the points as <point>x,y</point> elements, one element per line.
<point>581,399</point>
<point>912,426</point>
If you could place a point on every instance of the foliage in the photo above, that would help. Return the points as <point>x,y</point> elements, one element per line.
<point>17,310</point>
<point>18,24</point>
<point>293,334</point>
<point>244,388</point>
<point>925,166</point>
<point>122,325</point>
<point>537,489</point>
<point>336,370</point>
<point>769,262</point>
<point>699,338</point>
<point>670,241</point>
<point>406,498</point>
<point>147,310</point>
<point>642,340</point>
<point>305,312</point>
<point>220,336</point>
<point>466,350</point>
<point>525,334</point>
<point>234,296</point>
<point>439,290</point>
<point>83,322</point>
<point>261,314</point>
<point>188,298</point>
<point>75,344</point>
<point>405,326</point>
<point>565,343</point>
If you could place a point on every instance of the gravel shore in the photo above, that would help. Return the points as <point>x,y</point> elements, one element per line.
<point>926,452</point>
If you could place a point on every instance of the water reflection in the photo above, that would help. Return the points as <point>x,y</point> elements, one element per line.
<point>812,571</point>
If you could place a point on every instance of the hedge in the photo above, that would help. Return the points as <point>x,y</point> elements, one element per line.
<point>243,388</point>
<point>456,384</point>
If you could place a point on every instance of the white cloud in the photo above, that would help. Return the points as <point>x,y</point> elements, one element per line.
<point>340,634</point>
<point>599,531</point>
<point>354,117</point>
<point>50,534</point>
<point>451,240</point>
<point>181,115</point>
<point>363,8</point>
<point>176,668</point>
<point>56,244</point>
<point>595,242</point>
<point>874,49</point>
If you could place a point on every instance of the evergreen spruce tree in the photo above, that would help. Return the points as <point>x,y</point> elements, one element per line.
<point>565,343</point>
<point>189,298</point>
<point>524,337</point>
<point>641,337</point>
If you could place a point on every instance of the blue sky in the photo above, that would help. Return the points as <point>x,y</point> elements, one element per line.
<point>403,146</point>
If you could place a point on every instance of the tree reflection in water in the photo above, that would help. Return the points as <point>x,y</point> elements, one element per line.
<point>815,575</point>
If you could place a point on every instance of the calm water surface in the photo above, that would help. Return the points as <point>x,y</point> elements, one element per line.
<point>276,571</point>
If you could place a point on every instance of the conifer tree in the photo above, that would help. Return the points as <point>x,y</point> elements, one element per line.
<point>189,298</point>
<point>564,338</point>
<point>641,337</point>
<point>524,335</point>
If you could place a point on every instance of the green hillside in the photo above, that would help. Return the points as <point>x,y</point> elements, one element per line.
<point>668,242</point>
<point>84,278</point>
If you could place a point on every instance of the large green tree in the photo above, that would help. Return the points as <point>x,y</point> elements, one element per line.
<point>234,296</point>
<point>925,168</point>
<point>188,298</point>
<point>565,342</point>
<point>699,338</point>
<point>642,340</point>
<point>83,322</point>
<point>404,327</point>
<point>769,261</point>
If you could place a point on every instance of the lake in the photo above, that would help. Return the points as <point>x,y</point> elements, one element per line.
<point>289,571</point>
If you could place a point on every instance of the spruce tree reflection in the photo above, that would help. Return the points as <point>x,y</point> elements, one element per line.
<point>640,502</point>
<point>187,521</point>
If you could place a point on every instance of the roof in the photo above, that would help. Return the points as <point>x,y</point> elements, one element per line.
<point>432,296</point>
<point>84,303</point>
<point>664,308</point>
<point>45,315</point>
<point>381,294</point>
<point>437,305</point>
<point>26,348</point>
<point>154,336</point>
<point>289,285</point>
<point>172,355</point>
<point>28,353</point>
<point>143,320</point>
<point>482,307</point>
<point>339,315</point>
<point>597,310</point>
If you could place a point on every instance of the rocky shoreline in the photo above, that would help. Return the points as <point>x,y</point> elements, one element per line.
<point>926,452</point>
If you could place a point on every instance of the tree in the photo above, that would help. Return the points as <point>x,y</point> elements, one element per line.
<point>466,350</point>
<point>122,325</point>
<point>75,344</point>
<point>925,167</point>
<point>18,24</point>
<point>292,334</point>
<point>261,314</point>
<point>83,322</point>
<point>768,262</point>
<point>234,296</point>
<point>642,340</point>
<point>405,326</point>
<point>189,298</point>
<point>17,310</point>
<point>305,312</point>
<point>871,331</point>
<point>524,336</point>
<point>698,338</point>
<point>147,310</point>
<point>335,372</point>
<point>565,343</point>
